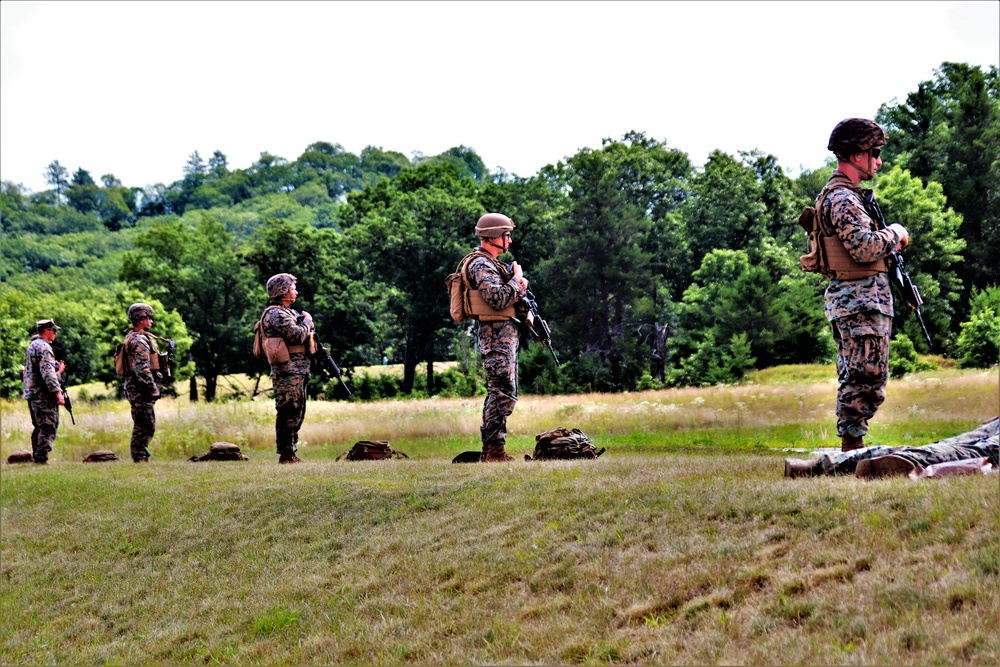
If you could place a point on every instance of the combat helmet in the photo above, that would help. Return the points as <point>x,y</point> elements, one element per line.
<point>856,135</point>
<point>279,284</point>
<point>493,225</point>
<point>139,311</point>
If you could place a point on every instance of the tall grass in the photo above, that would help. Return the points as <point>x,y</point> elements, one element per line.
<point>683,545</point>
<point>774,412</point>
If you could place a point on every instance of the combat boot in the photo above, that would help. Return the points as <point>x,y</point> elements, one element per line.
<point>493,452</point>
<point>850,442</point>
<point>801,468</point>
<point>884,466</point>
<point>289,459</point>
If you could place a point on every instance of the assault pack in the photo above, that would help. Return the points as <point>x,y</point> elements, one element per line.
<point>101,456</point>
<point>221,451</point>
<point>159,362</point>
<point>563,444</point>
<point>372,450</point>
<point>466,302</point>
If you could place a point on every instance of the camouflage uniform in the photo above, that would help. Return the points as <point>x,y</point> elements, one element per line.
<point>980,442</point>
<point>498,342</point>
<point>290,378</point>
<point>140,387</point>
<point>860,311</point>
<point>41,390</point>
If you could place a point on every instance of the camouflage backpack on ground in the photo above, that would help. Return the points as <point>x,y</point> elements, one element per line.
<point>221,451</point>
<point>20,456</point>
<point>371,450</point>
<point>100,456</point>
<point>563,443</point>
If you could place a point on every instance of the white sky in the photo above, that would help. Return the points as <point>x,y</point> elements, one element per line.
<point>134,88</point>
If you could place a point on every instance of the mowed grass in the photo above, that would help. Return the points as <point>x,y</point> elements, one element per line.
<point>683,544</point>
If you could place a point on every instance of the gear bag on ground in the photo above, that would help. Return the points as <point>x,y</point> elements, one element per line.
<point>221,451</point>
<point>563,443</point>
<point>372,450</point>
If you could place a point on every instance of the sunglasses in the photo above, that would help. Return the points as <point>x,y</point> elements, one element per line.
<point>875,152</point>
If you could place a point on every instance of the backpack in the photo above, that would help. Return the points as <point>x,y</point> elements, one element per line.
<point>371,450</point>
<point>563,443</point>
<point>458,288</point>
<point>101,456</point>
<point>20,456</point>
<point>221,451</point>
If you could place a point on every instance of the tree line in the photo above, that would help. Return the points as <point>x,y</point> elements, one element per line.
<point>652,272</point>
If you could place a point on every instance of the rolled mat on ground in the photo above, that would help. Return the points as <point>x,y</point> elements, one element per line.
<point>372,450</point>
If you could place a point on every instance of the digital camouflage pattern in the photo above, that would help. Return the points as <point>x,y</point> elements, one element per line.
<point>281,322</point>
<point>290,406</point>
<point>41,390</point>
<point>41,372</point>
<point>860,311</point>
<point>843,213</point>
<point>862,369</point>
<point>288,379</point>
<point>140,387</point>
<point>982,442</point>
<point>498,342</point>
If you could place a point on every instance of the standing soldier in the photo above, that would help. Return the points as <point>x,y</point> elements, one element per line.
<point>141,388</point>
<point>494,291</point>
<point>42,390</point>
<point>859,296</point>
<point>286,334</point>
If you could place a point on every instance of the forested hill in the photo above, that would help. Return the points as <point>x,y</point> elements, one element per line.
<point>651,270</point>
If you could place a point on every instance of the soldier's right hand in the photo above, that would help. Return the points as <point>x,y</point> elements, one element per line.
<point>61,398</point>
<point>904,236</point>
<point>307,319</point>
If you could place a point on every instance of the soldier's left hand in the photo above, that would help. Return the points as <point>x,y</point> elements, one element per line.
<point>61,398</point>
<point>61,367</point>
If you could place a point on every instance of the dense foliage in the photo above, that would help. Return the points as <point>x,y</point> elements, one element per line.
<point>652,272</point>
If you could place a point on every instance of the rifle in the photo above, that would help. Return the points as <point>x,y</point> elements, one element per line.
<point>907,290</point>
<point>68,404</point>
<point>322,357</point>
<point>538,327</point>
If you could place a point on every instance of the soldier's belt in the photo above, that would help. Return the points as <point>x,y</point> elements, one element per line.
<point>296,348</point>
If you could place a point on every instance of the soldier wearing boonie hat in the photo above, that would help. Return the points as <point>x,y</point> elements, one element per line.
<point>42,389</point>
<point>289,369</point>
<point>859,297</point>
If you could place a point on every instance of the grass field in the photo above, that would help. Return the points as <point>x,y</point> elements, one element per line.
<point>682,545</point>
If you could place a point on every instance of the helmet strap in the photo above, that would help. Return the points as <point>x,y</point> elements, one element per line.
<point>502,248</point>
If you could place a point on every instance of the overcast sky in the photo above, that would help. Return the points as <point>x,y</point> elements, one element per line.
<point>134,88</point>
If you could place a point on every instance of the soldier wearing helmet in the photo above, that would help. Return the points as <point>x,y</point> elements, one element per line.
<point>495,289</point>
<point>142,388</point>
<point>286,333</point>
<point>42,389</point>
<point>859,302</point>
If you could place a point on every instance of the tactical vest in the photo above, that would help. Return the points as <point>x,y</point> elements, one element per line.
<point>839,263</point>
<point>478,309</point>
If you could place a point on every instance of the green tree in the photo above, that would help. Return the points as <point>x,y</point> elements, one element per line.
<point>948,131</point>
<point>57,176</point>
<point>933,258</point>
<point>978,344</point>
<point>197,272</point>
<point>410,233</point>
